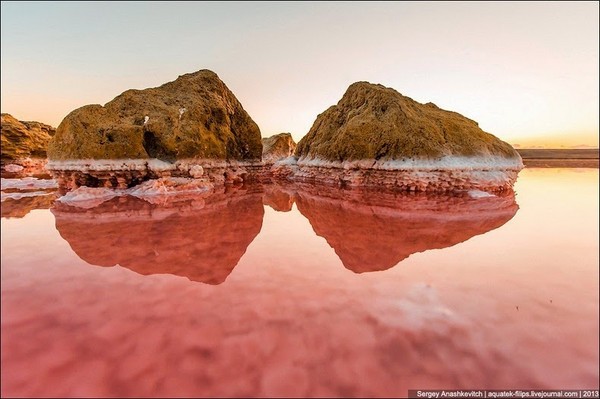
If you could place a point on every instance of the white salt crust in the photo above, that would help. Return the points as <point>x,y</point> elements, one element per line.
<point>449,173</point>
<point>13,168</point>
<point>445,163</point>
<point>27,183</point>
<point>479,194</point>
<point>18,195</point>
<point>155,165</point>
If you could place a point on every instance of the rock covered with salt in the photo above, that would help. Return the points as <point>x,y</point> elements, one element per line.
<point>374,132</point>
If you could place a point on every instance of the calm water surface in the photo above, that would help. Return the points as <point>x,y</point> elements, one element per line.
<point>297,291</point>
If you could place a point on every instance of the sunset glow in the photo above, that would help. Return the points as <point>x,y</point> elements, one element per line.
<point>527,73</point>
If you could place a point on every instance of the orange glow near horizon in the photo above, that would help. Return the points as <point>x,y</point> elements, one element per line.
<point>558,140</point>
<point>526,72</point>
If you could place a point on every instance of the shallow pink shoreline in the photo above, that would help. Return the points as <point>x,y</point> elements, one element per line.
<point>490,174</point>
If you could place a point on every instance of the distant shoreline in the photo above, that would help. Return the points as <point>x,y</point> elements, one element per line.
<point>559,158</point>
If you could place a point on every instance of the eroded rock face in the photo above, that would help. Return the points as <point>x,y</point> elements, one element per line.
<point>201,238</point>
<point>191,121</point>
<point>374,130</point>
<point>277,147</point>
<point>372,231</point>
<point>24,144</point>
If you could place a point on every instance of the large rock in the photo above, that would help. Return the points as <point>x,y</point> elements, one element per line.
<point>375,128</point>
<point>24,144</point>
<point>277,147</point>
<point>194,120</point>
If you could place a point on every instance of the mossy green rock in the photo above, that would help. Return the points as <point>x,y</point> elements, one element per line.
<point>22,139</point>
<point>372,121</point>
<point>195,116</point>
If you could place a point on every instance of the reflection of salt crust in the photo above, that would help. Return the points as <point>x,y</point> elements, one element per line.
<point>27,183</point>
<point>89,197</point>
<point>437,208</point>
<point>4,196</point>
<point>163,211</point>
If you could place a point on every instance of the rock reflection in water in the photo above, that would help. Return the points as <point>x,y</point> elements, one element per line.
<point>372,231</point>
<point>279,198</point>
<point>20,207</point>
<point>204,237</point>
<point>199,238</point>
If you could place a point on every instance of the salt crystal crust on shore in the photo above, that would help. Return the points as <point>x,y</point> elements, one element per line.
<point>449,173</point>
<point>195,128</point>
<point>125,173</point>
<point>27,183</point>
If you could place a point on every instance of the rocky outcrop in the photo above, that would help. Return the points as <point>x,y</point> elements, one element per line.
<point>278,147</point>
<point>190,127</point>
<point>375,136</point>
<point>374,231</point>
<point>24,145</point>
<point>200,238</point>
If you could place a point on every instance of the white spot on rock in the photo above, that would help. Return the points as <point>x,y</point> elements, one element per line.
<point>13,168</point>
<point>146,119</point>
<point>196,171</point>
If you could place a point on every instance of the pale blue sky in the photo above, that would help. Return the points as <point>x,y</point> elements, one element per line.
<point>527,72</point>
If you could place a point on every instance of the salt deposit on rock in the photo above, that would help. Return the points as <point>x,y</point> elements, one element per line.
<point>147,134</point>
<point>13,168</point>
<point>27,183</point>
<point>377,137</point>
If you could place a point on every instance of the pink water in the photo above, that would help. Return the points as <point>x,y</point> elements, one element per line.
<point>331,295</point>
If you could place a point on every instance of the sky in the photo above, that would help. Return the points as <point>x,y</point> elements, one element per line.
<point>527,72</point>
